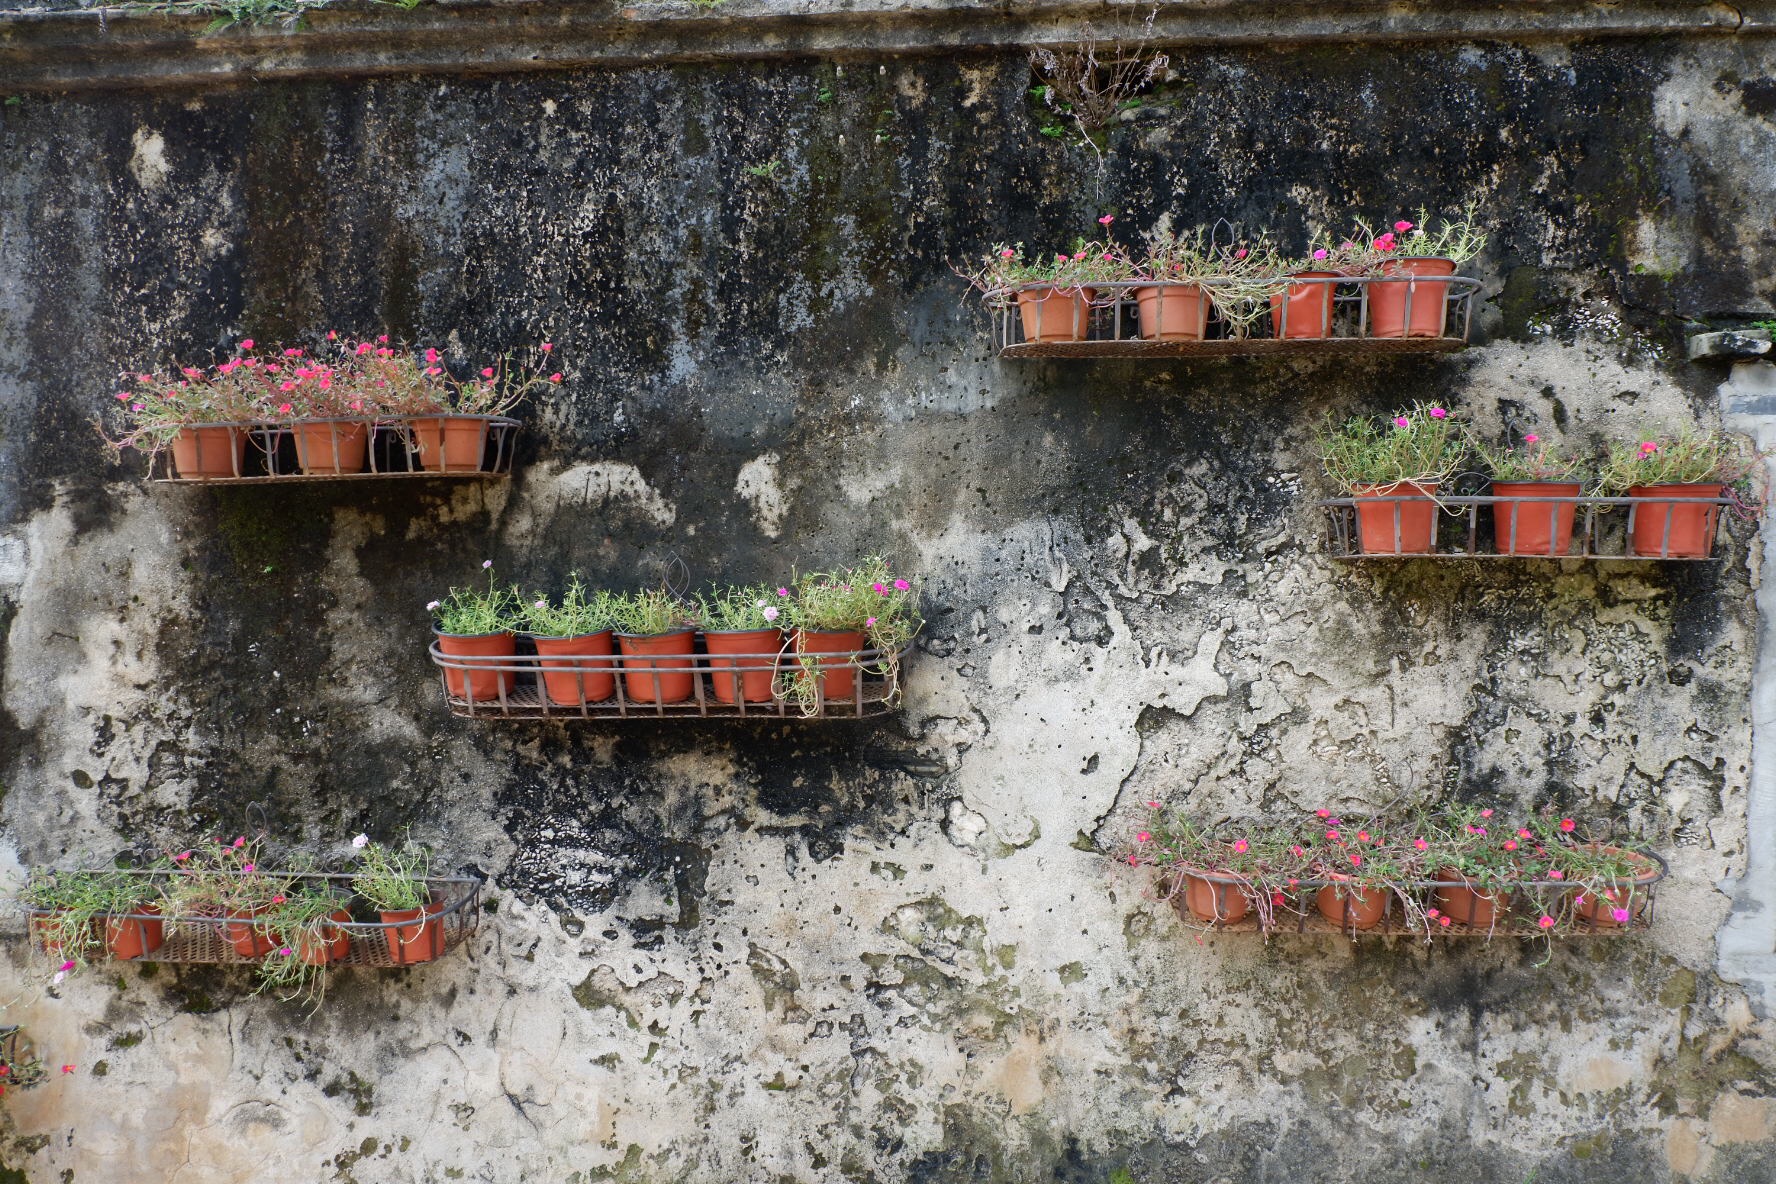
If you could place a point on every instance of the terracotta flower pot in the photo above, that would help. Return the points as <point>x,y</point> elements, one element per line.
<point>1388,298</point>
<point>1599,911</point>
<point>330,944</point>
<point>1466,904</point>
<point>1055,314</point>
<point>1542,528</point>
<point>450,445</point>
<point>1172,312</point>
<point>1213,900</point>
<point>1692,527</point>
<point>1351,908</point>
<point>582,681</point>
<point>43,926</point>
<point>657,667</point>
<point>204,453</point>
<point>474,682</point>
<point>837,682</point>
<point>1417,519</point>
<point>131,937</point>
<point>1309,307</point>
<point>412,940</point>
<point>332,447</point>
<point>755,676</point>
<point>246,934</point>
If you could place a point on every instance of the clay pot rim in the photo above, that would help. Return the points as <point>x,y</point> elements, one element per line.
<point>651,636</point>
<point>1579,485</point>
<point>1654,490</point>
<point>1051,286</point>
<point>738,632</point>
<point>1651,872</point>
<point>496,633</point>
<point>1373,488</point>
<point>542,636</point>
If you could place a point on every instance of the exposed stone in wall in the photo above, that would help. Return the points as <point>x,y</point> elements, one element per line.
<point>819,952</point>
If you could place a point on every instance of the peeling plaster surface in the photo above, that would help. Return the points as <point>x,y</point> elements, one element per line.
<point>900,951</point>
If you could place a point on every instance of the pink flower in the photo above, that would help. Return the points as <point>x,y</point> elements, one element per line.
<point>240,842</point>
<point>1421,844</point>
<point>361,842</point>
<point>431,355</point>
<point>431,606</point>
<point>66,966</point>
<point>1443,921</point>
<point>431,370</point>
<point>1648,448</point>
<point>383,340</point>
<point>870,624</point>
<point>1106,219</point>
<point>901,585</point>
<point>1297,852</point>
<point>555,377</point>
<point>1153,805</point>
<point>1142,836</point>
<point>1333,835</point>
<point>1546,922</point>
<point>332,335</point>
<point>292,353</point>
<point>284,953</point>
<point>246,343</point>
<point>1566,825</point>
<point>1362,836</point>
<point>1320,254</point>
<point>1060,258</point>
<point>1438,413</point>
<point>879,587</point>
<point>770,614</point>
<point>1510,844</point>
<point>1322,813</point>
<point>1620,916</point>
<point>1556,874</point>
<point>278,899</point>
<point>1486,813</point>
<point>1522,834</point>
<point>1402,227</point>
<point>1479,830</point>
<point>1346,245</point>
<point>365,348</point>
<point>67,1068</point>
<point>486,563</point>
<point>1079,256</point>
<point>546,346</point>
<point>487,373</point>
<point>1356,859</point>
<point>1430,912</point>
<point>284,408</point>
<point>783,591</point>
<point>1400,421</point>
<point>181,857</point>
<point>1241,253</point>
<point>1239,846</point>
<point>1007,253</point>
<point>137,406</point>
<point>248,869</point>
<point>1531,439</point>
<point>122,396</point>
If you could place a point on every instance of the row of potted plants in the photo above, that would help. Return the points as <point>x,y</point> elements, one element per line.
<point>803,641</point>
<point>1177,277</point>
<point>327,397</point>
<point>1431,869</point>
<point>1406,457</point>
<point>289,922</point>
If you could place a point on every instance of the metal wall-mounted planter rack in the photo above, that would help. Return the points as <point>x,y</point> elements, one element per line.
<point>1529,901</point>
<point>1467,527</point>
<point>517,686</point>
<point>258,452</point>
<point>1345,328</point>
<point>206,939</point>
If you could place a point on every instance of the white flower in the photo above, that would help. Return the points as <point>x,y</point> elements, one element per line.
<point>431,606</point>
<point>542,604</point>
<point>486,563</point>
<point>770,614</point>
<point>758,604</point>
<point>59,976</point>
<point>361,842</point>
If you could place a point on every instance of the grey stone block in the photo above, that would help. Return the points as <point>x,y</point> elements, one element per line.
<point>1730,344</point>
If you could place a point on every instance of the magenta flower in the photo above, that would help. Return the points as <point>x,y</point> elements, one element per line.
<point>431,355</point>
<point>1320,254</point>
<point>1007,253</point>
<point>783,591</point>
<point>1333,835</point>
<point>1106,219</point>
<point>870,624</point>
<point>1356,859</point>
<point>66,966</point>
<point>547,346</point>
<point>1322,813</point>
<point>879,587</point>
<point>1400,421</point>
<point>1546,922</point>
<point>901,585</point>
<point>555,377</point>
<point>1142,836</point>
<point>1556,874</point>
<point>1620,915</point>
<point>1531,439</point>
<point>248,869</point>
<point>1240,254</point>
<point>1421,844</point>
<point>1402,227</point>
<point>1239,846</point>
<point>1153,805</point>
<point>246,343</point>
<point>1438,413</point>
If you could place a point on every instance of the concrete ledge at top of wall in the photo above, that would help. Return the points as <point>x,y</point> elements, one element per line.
<point>67,45</point>
<point>1729,345</point>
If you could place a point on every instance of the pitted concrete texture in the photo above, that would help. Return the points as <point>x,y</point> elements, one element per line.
<point>901,951</point>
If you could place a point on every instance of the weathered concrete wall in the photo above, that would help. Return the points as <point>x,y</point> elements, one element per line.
<point>890,952</point>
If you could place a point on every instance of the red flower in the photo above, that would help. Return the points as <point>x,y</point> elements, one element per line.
<point>1567,824</point>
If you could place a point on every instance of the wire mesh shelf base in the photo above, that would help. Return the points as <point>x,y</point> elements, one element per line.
<point>668,686</point>
<point>338,449</point>
<point>217,940</point>
<point>1314,922</point>
<point>1415,526</point>
<point>1307,315</point>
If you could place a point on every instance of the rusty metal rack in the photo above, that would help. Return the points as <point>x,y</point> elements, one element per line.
<point>520,691</point>
<point>1597,532</point>
<point>1114,329</point>
<point>205,938</point>
<point>1300,915</point>
<point>259,452</point>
